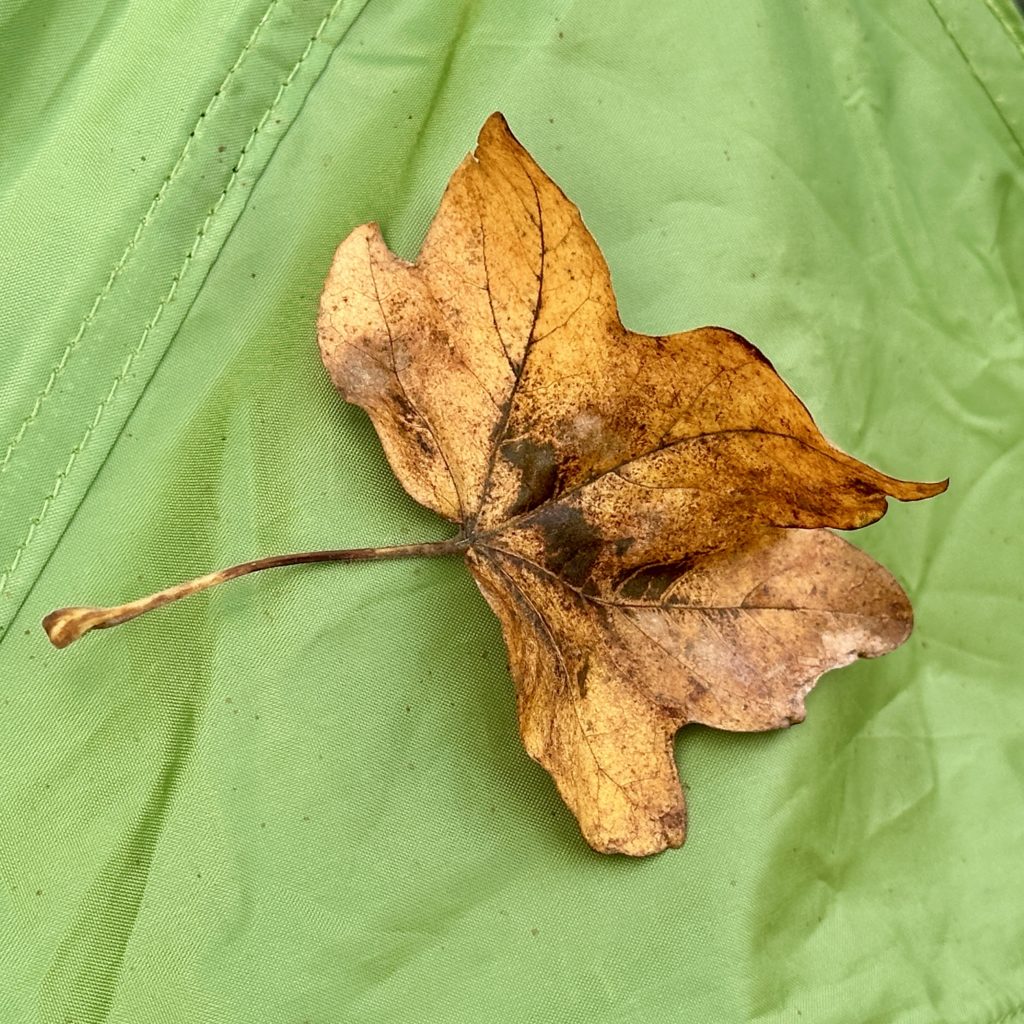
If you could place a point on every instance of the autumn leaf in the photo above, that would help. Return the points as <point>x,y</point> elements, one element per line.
<point>645,515</point>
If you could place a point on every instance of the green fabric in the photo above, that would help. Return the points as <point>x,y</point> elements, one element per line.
<point>302,797</point>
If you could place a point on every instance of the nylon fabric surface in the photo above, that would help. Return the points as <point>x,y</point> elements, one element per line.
<point>302,797</point>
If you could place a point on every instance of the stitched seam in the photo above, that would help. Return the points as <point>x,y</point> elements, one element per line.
<point>58,484</point>
<point>1011,24</point>
<point>977,76</point>
<point>130,247</point>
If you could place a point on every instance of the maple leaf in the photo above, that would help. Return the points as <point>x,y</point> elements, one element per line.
<point>646,515</point>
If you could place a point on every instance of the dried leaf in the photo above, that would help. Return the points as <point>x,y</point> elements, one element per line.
<point>645,515</point>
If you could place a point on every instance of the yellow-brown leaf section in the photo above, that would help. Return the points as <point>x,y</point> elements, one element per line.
<point>647,516</point>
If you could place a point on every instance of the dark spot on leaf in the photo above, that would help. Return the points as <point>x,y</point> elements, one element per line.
<point>412,422</point>
<point>571,544</point>
<point>652,581</point>
<point>864,487</point>
<point>674,820</point>
<point>581,676</point>
<point>538,468</point>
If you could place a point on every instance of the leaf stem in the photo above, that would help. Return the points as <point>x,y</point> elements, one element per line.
<point>67,624</point>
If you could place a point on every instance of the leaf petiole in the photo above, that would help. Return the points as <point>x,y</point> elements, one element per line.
<point>67,624</point>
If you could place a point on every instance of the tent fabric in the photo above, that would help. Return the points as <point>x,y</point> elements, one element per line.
<point>302,797</point>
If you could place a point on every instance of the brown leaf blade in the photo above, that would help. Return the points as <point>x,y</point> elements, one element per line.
<point>735,643</point>
<point>647,516</point>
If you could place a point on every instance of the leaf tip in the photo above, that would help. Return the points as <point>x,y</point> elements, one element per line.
<point>495,120</point>
<point>908,490</point>
<point>495,130</point>
<point>664,832</point>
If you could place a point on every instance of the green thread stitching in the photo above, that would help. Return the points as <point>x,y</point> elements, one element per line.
<point>978,77</point>
<point>130,247</point>
<point>1011,22</point>
<point>37,519</point>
